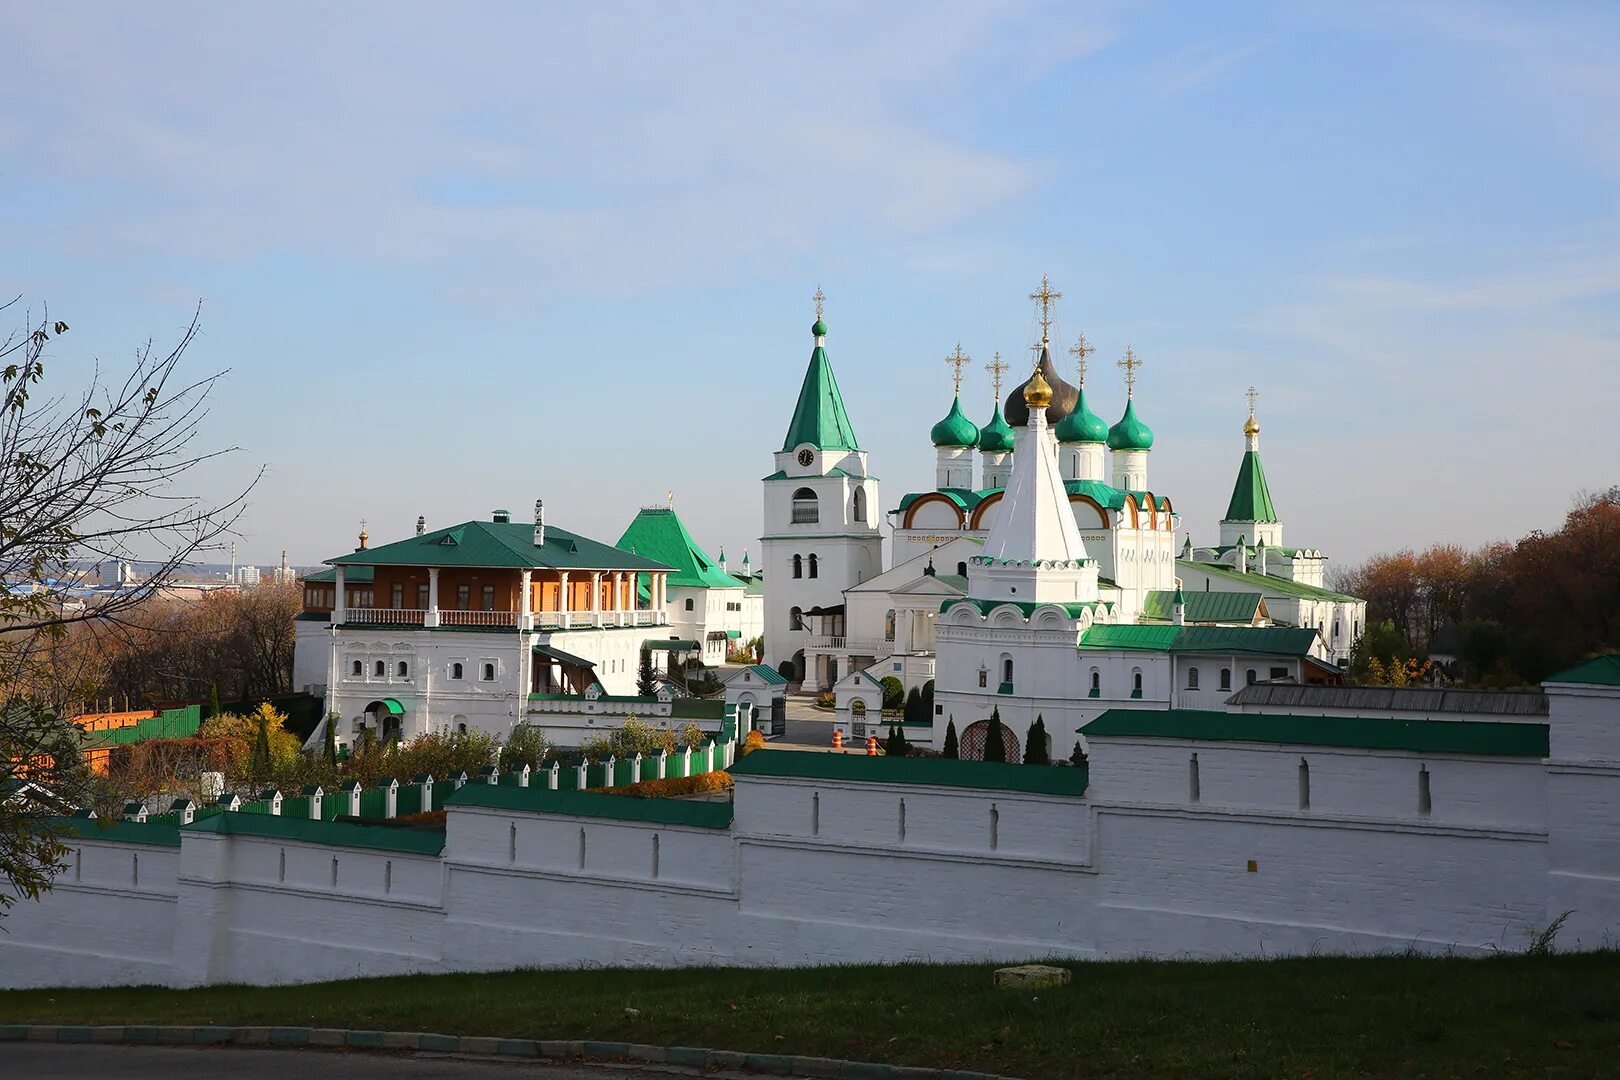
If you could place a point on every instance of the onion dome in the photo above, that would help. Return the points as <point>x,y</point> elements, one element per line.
<point>1082,425</point>
<point>1063,397</point>
<point>819,327</point>
<point>956,429</point>
<point>1130,433</point>
<point>996,437</point>
<point>1251,426</point>
<point>1037,391</point>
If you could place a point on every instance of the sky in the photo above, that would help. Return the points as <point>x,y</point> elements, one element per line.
<point>461,257</point>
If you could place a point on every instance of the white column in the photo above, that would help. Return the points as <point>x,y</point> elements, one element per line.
<point>618,595</point>
<point>526,604</point>
<point>596,597</point>
<point>339,600</point>
<point>562,598</point>
<point>432,616</point>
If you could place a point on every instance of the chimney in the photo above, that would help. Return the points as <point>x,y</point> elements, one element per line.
<point>1242,555</point>
<point>421,524</point>
<point>1178,611</point>
<point>539,522</point>
<point>1260,554</point>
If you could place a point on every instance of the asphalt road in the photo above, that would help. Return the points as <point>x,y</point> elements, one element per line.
<point>88,1061</point>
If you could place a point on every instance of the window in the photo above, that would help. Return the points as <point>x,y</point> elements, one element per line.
<point>812,566</point>
<point>1279,673</point>
<point>798,566</point>
<point>380,669</point>
<point>1136,683</point>
<point>398,596</point>
<point>489,676</point>
<point>796,619</point>
<point>1192,678</point>
<point>489,598</point>
<point>456,670</point>
<point>402,669</point>
<point>984,678</point>
<point>1226,678</point>
<point>422,598</point>
<point>1096,683</point>
<point>805,509</point>
<point>1006,669</point>
<point>1250,679</point>
<point>357,670</point>
<point>961,569</point>
<point>461,729</point>
<point>860,504</point>
<point>688,603</point>
<point>1336,630</point>
<point>463,596</point>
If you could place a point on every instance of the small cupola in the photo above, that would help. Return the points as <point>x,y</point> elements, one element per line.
<point>1082,425</point>
<point>502,517</point>
<point>996,437</point>
<point>956,429</point>
<point>1130,433</point>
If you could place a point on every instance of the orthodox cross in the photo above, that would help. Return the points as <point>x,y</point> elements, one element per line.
<point>1130,364</point>
<point>1044,296</point>
<point>1251,395</point>
<point>996,367</point>
<point>1082,349</point>
<point>958,360</point>
<point>669,498</point>
<point>820,298</point>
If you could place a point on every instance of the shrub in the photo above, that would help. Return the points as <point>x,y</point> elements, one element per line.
<point>1079,755</point>
<point>827,699</point>
<point>995,747</point>
<point>951,750</point>
<point>896,745</point>
<point>675,786</point>
<point>526,744</point>
<point>913,706</point>
<point>894,693</point>
<point>639,737</point>
<point>754,741</point>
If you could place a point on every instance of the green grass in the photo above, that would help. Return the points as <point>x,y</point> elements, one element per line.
<point>1311,1018</point>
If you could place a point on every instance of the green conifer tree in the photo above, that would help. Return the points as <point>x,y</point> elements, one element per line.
<point>995,748</point>
<point>646,679</point>
<point>951,749</point>
<point>895,745</point>
<point>913,713</point>
<point>260,760</point>
<point>213,700</point>
<point>1035,752</point>
<point>331,740</point>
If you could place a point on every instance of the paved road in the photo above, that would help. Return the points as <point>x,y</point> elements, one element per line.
<point>84,1061</point>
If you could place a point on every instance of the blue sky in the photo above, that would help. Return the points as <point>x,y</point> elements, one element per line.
<point>458,258</point>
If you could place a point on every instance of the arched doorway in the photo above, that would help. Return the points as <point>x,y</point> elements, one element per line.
<point>971,745</point>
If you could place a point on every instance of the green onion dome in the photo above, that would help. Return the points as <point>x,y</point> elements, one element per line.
<point>956,429</point>
<point>819,329</point>
<point>996,437</point>
<point>1082,425</point>
<point>1130,433</point>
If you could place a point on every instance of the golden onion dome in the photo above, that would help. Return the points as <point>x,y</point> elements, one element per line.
<point>1037,392</point>
<point>1251,426</point>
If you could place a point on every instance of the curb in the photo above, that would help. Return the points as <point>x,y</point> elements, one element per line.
<point>688,1056</point>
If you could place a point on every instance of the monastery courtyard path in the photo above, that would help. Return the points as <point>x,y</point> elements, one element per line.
<point>86,1061</point>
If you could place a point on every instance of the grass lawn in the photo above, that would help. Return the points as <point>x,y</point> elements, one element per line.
<point>1307,1018</point>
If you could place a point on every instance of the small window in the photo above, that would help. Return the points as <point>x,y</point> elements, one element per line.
<point>961,569</point>
<point>489,673</point>
<point>798,566</point>
<point>489,598</point>
<point>463,596</point>
<point>357,670</point>
<point>461,729</point>
<point>402,669</point>
<point>1251,677</point>
<point>806,511</point>
<point>812,566</point>
<point>1096,682</point>
<point>398,596</point>
<point>380,669</point>
<point>688,603</point>
<point>1279,673</point>
<point>422,598</point>
<point>860,504</point>
<point>1192,678</point>
<point>456,671</point>
<point>1006,669</point>
<point>1136,682</point>
<point>1226,678</point>
<point>796,617</point>
<point>984,678</point>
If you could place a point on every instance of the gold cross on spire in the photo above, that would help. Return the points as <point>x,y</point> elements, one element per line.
<point>1045,296</point>
<point>1251,395</point>
<point>958,360</point>
<point>1080,350</point>
<point>1130,363</point>
<point>820,298</point>
<point>996,367</point>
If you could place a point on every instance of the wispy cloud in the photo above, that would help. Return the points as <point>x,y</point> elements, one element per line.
<point>1198,64</point>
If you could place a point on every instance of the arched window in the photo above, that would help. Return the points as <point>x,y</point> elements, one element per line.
<point>813,565</point>
<point>1096,683</point>
<point>1336,627</point>
<point>1136,682</point>
<point>859,506</point>
<point>805,509</point>
<point>1006,669</point>
<point>461,729</point>
<point>796,618</point>
<point>380,668</point>
<point>1192,678</point>
<point>455,671</point>
<point>489,672</point>
<point>688,603</point>
<point>402,669</point>
<point>798,566</point>
<point>961,569</point>
<point>888,625</point>
<point>1226,678</point>
<point>357,670</point>
<point>1250,677</point>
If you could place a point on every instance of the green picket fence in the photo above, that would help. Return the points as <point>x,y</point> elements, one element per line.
<point>374,803</point>
<point>410,800</point>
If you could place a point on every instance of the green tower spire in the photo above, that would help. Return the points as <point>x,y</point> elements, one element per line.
<point>820,418</point>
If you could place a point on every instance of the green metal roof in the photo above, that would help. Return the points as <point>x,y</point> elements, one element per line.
<point>1082,425</point>
<point>353,575</point>
<point>819,418</point>
<point>1251,496</point>
<point>939,772</point>
<point>562,657</point>
<point>956,429</point>
<point>1105,495</point>
<point>669,645</point>
<point>997,436</point>
<point>1028,607</point>
<point>595,804</point>
<point>1130,433</point>
<point>658,533</point>
<point>499,544</point>
<point>118,831</point>
<point>1268,582</point>
<point>1598,671</point>
<point>1203,607</point>
<point>1366,733</point>
<point>346,834</point>
<point>1243,640</point>
<point>767,675</point>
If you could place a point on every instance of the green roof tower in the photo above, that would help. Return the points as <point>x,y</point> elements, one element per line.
<point>1251,511</point>
<point>819,418</point>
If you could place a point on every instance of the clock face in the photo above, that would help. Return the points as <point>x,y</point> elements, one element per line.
<point>805,458</point>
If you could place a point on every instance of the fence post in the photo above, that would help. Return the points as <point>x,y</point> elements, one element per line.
<point>554,775</point>
<point>230,802</point>
<point>686,761</point>
<point>523,776</point>
<point>635,768</point>
<point>315,795</point>
<point>609,767</point>
<point>272,801</point>
<point>663,763</point>
<point>186,809</point>
<point>583,775</point>
<point>489,774</point>
<point>390,787</point>
<point>424,781</point>
<point>351,791</point>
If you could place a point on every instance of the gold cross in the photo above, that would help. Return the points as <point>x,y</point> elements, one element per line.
<point>1080,350</point>
<point>996,367</point>
<point>1130,364</point>
<point>1251,395</point>
<point>958,360</point>
<point>1044,296</point>
<point>820,298</point>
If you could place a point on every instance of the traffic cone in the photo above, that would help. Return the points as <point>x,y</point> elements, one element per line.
<point>871,746</point>
<point>838,739</point>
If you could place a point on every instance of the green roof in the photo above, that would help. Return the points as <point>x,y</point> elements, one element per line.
<point>1598,671</point>
<point>1073,609</point>
<point>938,772</point>
<point>595,804</point>
<point>1082,425</point>
<point>997,436</point>
<point>658,533</point>
<point>767,675</point>
<point>1268,582</point>
<point>1203,607</point>
<point>499,544</point>
<point>1367,733</point>
<point>819,418</point>
<point>1246,640</point>
<point>347,834</point>
<point>118,831</point>
<point>1130,433</point>
<point>670,645</point>
<point>1105,495</point>
<point>1251,497</point>
<point>353,575</point>
<point>956,429</point>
